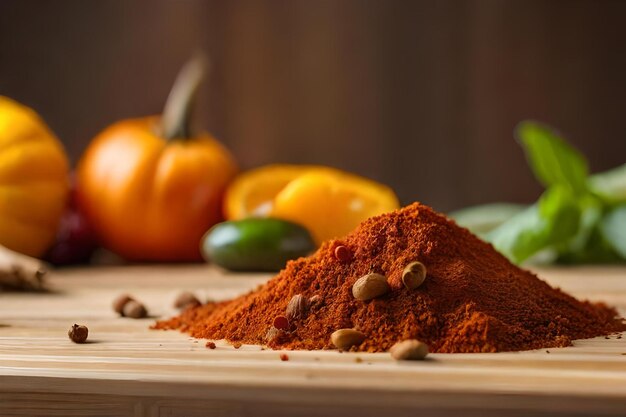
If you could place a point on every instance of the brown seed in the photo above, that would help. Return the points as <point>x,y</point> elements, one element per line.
<point>409,350</point>
<point>370,286</point>
<point>273,333</point>
<point>413,275</point>
<point>284,357</point>
<point>297,307</point>
<point>281,323</point>
<point>343,254</point>
<point>315,301</point>
<point>210,345</point>
<point>186,300</point>
<point>346,338</point>
<point>120,302</point>
<point>134,310</point>
<point>78,333</point>
<point>237,345</point>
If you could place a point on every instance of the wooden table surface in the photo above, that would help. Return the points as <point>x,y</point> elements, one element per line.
<point>129,370</point>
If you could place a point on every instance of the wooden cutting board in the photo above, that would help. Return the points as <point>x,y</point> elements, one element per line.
<point>129,370</point>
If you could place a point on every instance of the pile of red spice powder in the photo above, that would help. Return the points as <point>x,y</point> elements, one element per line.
<point>473,298</point>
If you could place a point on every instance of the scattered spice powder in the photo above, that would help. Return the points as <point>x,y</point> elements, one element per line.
<point>185,300</point>
<point>472,300</point>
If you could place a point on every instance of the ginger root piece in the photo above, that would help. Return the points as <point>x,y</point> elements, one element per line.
<point>20,272</point>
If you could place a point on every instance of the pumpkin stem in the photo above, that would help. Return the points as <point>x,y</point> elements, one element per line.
<point>176,119</point>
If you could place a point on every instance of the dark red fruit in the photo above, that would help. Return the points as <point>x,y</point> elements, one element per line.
<point>75,241</point>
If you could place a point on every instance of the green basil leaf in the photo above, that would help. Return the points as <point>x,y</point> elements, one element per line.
<point>516,238</point>
<point>610,185</point>
<point>596,250</point>
<point>613,229</point>
<point>592,210</point>
<point>484,218</point>
<point>551,158</point>
<point>552,221</point>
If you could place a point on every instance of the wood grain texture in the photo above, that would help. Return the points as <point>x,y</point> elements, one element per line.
<point>129,370</point>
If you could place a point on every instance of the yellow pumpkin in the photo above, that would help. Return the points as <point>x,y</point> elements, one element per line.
<point>33,180</point>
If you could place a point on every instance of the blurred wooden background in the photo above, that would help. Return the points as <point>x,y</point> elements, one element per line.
<point>422,95</point>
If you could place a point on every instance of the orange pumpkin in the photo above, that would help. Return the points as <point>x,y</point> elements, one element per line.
<point>151,189</point>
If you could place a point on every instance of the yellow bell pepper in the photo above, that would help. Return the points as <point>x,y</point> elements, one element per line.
<point>327,201</point>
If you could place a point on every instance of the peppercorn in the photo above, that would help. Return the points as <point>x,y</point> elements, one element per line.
<point>343,254</point>
<point>134,310</point>
<point>284,357</point>
<point>78,333</point>
<point>281,323</point>
<point>186,300</point>
<point>210,345</point>
<point>120,302</point>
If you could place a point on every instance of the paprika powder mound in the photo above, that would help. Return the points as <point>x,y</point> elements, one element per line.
<point>472,300</point>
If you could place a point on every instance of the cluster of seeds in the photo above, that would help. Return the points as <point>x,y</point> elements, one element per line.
<point>127,306</point>
<point>367,287</point>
